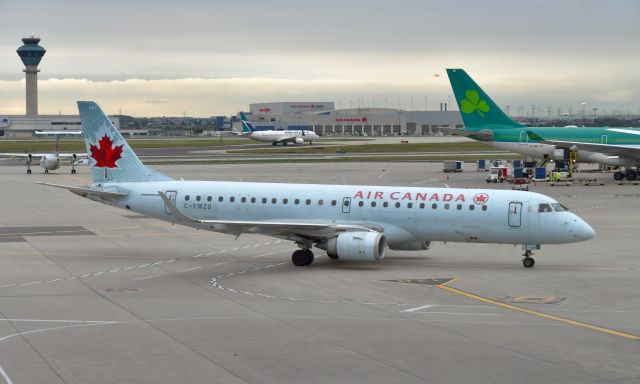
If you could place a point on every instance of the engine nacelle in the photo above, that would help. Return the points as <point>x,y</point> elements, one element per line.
<point>357,246</point>
<point>298,140</point>
<point>411,246</point>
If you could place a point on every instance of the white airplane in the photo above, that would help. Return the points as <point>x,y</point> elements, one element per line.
<point>348,222</point>
<point>295,136</point>
<point>51,161</point>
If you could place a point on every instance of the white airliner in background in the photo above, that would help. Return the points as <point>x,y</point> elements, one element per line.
<point>294,136</point>
<point>348,222</point>
<point>51,161</point>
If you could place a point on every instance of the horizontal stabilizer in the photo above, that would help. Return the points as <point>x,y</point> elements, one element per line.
<point>85,192</point>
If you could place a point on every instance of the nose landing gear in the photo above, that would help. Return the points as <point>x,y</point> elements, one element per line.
<point>528,249</point>
<point>527,260</point>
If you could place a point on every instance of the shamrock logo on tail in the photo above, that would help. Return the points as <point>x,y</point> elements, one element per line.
<point>473,103</point>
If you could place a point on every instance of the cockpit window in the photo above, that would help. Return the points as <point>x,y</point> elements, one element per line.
<point>559,207</point>
<point>544,207</point>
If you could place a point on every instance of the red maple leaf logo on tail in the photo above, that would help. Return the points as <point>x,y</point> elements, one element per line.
<point>107,154</point>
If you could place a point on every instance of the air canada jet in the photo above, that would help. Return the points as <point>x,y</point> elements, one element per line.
<point>349,222</point>
<point>294,136</point>
<point>485,121</point>
<point>51,161</point>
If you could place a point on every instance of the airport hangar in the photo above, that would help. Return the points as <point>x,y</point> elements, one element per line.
<point>324,119</point>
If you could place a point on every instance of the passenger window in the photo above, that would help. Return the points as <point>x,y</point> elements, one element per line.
<point>409,205</point>
<point>308,201</point>
<point>385,204</point>
<point>296,201</point>
<point>484,207</point>
<point>264,200</point>
<point>232,199</point>
<point>446,206</point>
<point>333,202</point>
<point>373,203</point>
<point>244,199</point>
<point>346,203</point>
<point>209,198</point>
<point>253,199</point>
<point>220,198</point>
<point>274,200</point>
<point>197,198</point>
<point>472,207</point>
<point>434,205</point>
<point>398,205</point>
<point>421,205</point>
<point>544,207</point>
<point>360,203</point>
<point>320,202</point>
<point>186,198</point>
<point>285,201</point>
<point>459,207</point>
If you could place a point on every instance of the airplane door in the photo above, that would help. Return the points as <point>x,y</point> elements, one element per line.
<point>603,139</point>
<point>171,195</point>
<point>515,214</point>
<point>346,205</point>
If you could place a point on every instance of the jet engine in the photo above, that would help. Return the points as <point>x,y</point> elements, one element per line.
<point>411,246</point>
<point>298,140</point>
<point>356,246</point>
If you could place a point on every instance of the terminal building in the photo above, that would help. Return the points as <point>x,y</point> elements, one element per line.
<point>324,119</point>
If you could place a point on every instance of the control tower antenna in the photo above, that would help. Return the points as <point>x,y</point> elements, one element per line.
<point>31,54</point>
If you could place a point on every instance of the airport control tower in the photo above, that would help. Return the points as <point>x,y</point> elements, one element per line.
<point>31,54</point>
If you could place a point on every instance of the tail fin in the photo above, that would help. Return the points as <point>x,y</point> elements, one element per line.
<point>110,156</point>
<point>476,107</point>
<point>247,126</point>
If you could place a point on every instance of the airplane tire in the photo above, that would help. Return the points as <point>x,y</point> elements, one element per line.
<point>28,171</point>
<point>631,174</point>
<point>528,262</point>
<point>274,143</point>
<point>495,180</point>
<point>618,176</point>
<point>46,171</point>
<point>302,257</point>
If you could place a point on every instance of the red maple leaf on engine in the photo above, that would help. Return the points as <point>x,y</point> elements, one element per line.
<point>106,155</point>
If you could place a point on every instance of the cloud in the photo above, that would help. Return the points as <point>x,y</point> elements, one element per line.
<point>619,96</point>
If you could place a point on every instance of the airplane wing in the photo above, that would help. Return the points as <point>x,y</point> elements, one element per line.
<point>317,230</point>
<point>87,192</point>
<point>24,155</point>
<point>481,135</point>
<point>81,155</point>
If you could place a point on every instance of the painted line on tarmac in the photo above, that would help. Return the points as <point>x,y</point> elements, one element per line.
<point>596,328</point>
<point>4,375</point>
<point>123,269</point>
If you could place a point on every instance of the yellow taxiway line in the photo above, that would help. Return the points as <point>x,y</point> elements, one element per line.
<point>596,328</point>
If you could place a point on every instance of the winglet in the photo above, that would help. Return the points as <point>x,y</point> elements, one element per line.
<point>179,216</point>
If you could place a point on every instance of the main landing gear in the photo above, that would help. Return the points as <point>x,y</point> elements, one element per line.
<point>629,174</point>
<point>302,257</point>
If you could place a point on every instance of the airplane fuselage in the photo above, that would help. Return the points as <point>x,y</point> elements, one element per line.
<point>50,162</point>
<point>290,136</point>
<point>407,216</point>
<point>516,139</point>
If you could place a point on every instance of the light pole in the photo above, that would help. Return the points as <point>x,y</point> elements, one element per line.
<point>595,115</point>
<point>583,111</point>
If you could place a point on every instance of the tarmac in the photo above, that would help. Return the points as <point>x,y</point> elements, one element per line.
<point>94,294</point>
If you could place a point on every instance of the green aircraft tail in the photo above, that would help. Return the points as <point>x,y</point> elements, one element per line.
<point>247,126</point>
<point>476,107</point>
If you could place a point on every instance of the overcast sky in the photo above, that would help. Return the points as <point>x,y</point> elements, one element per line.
<point>203,58</point>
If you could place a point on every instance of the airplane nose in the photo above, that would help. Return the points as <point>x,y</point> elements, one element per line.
<point>583,231</point>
